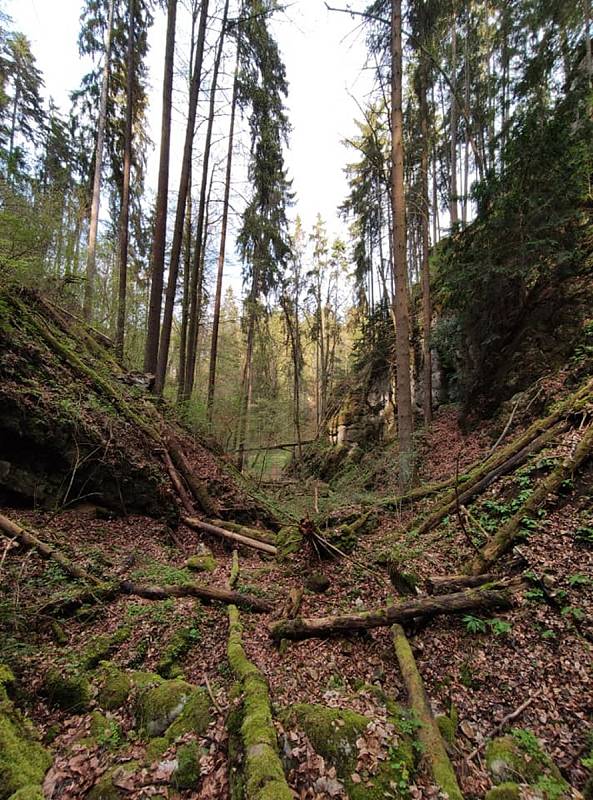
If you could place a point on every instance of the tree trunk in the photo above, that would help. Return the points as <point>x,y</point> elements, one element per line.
<point>159,239</point>
<point>402,331</point>
<point>124,216</point>
<point>457,603</point>
<point>196,281</point>
<point>426,300</point>
<point>589,56</point>
<point>91,261</point>
<point>246,379</point>
<point>428,731</point>
<point>165,341</point>
<point>453,212</point>
<point>187,250</point>
<point>222,250</point>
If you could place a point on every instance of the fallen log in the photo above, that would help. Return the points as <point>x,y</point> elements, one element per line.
<point>434,750</point>
<point>178,484</point>
<point>30,540</point>
<point>237,538</point>
<point>197,488</point>
<point>457,603</point>
<point>251,533</point>
<point>506,537</point>
<point>264,773</point>
<point>446,584</point>
<point>153,592</point>
<point>235,570</point>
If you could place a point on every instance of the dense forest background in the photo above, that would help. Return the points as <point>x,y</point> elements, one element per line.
<point>496,158</point>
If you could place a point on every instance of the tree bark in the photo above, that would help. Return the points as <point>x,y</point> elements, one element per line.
<point>434,749</point>
<point>426,300</point>
<point>196,280</point>
<point>457,603</point>
<point>165,341</point>
<point>91,261</point>
<point>150,592</point>
<point>159,239</point>
<point>222,249</point>
<point>453,210</point>
<point>402,332</point>
<point>237,538</point>
<point>124,217</point>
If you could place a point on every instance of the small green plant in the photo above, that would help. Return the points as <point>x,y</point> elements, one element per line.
<point>110,736</point>
<point>548,634</point>
<point>535,595</point>
<point>474,624</point>
<point>575,612</point>
<point>584,535</point>
<point>499,627</point>
<point>579,579</point>
<point>527,741</point>
<point>400,771</point>
<point>551,788</point>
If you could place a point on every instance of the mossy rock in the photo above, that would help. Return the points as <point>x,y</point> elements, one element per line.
<point>519,756</point>
<point>115,687</point>
<point>155,749</point>
<point>144,680</point>
<point>187,774</point>
<point>59,634</point>
<point>333,734</point>
<point>161,705</point>
<point>179,645</point>
<point>447,725</point>
<point>317,582</point>
<point>504,791</point>
<point>105,788</point>
<point>289,540</point>
<point>98,650</point>
<point>23,760</point>
<point>68,690</point>
<point>194,718</point>
<point>203,561</point>
<point>28,793</point>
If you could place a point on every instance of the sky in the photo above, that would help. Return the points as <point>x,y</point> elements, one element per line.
<point>324,54</point>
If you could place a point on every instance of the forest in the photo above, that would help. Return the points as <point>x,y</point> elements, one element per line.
<point>296,505</point>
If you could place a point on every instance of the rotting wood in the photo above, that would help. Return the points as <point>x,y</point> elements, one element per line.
<point>30,540</point>
<point>507,535</point>
<point>421,607</point>
<point>434,751</point>
<point>236,538</point>
<point>178,484</point>
<point>197,488</point>
<point>446,584</point>
<point>219,594</point>
<point>263,768</point>
<point>291,606</point>
<point>251,533</point>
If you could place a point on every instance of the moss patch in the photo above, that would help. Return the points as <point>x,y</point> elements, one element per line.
<point>504,791</point>
<point>115,687</point>
<point>519,756</point>
<point>187,774</point>
<point>289,541</point>
<point>28,793</point>
<point>67,689</point>
<point>194,718</point>
<point>23,761</point>
<point>158,707</point>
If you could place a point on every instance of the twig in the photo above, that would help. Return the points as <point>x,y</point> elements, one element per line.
<point>505,721</point>
<point>211,693</point>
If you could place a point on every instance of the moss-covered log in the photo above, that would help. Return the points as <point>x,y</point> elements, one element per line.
<point>210,593</point>
<point>265,779</point>
<point>30,540</point>
<point>506,537</point>
<point>457,603</point>
<point>251,533</point>
<point>435,752</point>
<point>446,584</point>
<point>236,538</point>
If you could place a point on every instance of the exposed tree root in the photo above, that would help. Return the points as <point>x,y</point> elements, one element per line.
<point>264,774</point>
<point>506,537</point>
<point>236,538</point>
<point>435,752</point>
<point>469,600</point>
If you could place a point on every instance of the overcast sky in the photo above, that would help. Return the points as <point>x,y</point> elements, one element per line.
<point>324,54</point>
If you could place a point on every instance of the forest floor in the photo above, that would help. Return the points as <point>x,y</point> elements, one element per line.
<point>476,669</point>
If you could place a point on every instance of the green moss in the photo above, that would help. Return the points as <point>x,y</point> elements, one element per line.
<point>28,793</point>
<point>6,676</point>
<point>519,757</point>
<point>205,562</point>
<point>155,749</point>
<point>187,774</point>
<point>194,718</point>
<point>504,791</point>
<point>59,634</point>
<point>317,582</point>
<point>23,761</point>
<point>68,690</point>
<point>180,643</point>
<point>144,680</point>
<point>97,650</point>
<point>105,789</point>
<point>158,707</point>
<point>289,541</point>
<point>448,726</point>
<point>265,778</point>
<point>115,687</point>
